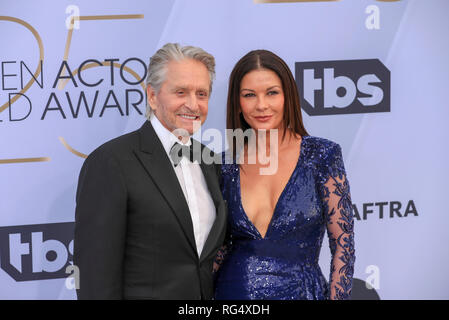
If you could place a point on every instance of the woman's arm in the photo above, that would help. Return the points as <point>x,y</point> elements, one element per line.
<point>340,225</point>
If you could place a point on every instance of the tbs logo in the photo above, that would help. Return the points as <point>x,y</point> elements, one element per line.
<point>343,87</point>
<point>35,252</point>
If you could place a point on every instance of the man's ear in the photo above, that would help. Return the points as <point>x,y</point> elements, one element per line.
<point>151,97</point>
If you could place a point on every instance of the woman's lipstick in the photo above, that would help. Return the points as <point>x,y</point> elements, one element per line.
<point>263,118</point>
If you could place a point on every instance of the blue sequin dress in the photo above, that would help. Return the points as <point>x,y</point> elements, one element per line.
<point>284,263</point>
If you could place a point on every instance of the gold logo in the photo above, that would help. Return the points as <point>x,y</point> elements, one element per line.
<point>62,84</point>
<point>21,160</point>
<point>41,57</point>
<point>27,86</point>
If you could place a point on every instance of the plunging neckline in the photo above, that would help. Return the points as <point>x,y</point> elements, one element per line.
<point>246,217</point>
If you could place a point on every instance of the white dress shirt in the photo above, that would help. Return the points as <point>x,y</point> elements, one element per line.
<point>193,184</point>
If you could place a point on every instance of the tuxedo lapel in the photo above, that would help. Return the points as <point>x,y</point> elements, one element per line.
<point>211,178</point>
<point>154,158</point>
<point>216,232</point>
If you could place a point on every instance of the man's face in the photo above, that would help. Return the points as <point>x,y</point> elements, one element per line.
<point>183,97</point>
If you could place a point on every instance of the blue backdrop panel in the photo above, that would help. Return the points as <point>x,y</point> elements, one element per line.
<point>373,76</point>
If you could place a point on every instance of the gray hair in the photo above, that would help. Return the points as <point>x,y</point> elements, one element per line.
<point>173,51</point>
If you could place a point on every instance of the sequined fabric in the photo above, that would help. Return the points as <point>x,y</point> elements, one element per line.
<point>284,264</point>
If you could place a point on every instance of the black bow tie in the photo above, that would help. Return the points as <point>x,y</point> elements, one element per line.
<point>178,151</point>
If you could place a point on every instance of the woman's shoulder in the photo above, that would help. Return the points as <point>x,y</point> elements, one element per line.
<point>317,149</point>
<point>319,142</point>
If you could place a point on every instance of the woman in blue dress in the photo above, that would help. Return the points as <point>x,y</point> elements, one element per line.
<point>277,217</point>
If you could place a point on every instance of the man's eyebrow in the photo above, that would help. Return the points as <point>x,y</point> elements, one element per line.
<point>175,88</point>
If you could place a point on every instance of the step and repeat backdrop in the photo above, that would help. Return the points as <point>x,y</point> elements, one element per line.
<point>372,75</point>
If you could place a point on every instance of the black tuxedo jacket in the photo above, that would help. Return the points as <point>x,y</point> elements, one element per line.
<point>133,231</point>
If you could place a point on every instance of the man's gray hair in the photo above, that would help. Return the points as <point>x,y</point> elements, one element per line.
<point>173,51</point>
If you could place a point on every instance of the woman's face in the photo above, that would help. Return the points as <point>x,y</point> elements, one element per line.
<point>262,99</point>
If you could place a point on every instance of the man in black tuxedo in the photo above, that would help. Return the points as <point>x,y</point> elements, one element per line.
<point>150,217</point>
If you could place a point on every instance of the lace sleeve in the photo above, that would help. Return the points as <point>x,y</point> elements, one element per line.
<point>222,252</point>
<point>340,224</point>
<point>220,257</point>
<point>224,249</point>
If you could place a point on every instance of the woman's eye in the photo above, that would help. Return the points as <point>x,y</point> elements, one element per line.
<point>248,95</point>
<point>272,93</point>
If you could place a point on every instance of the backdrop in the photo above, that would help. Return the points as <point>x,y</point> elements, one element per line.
<point>372,76</point>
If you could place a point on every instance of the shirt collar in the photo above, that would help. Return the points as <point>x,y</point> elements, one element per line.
<point>167,138</point>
